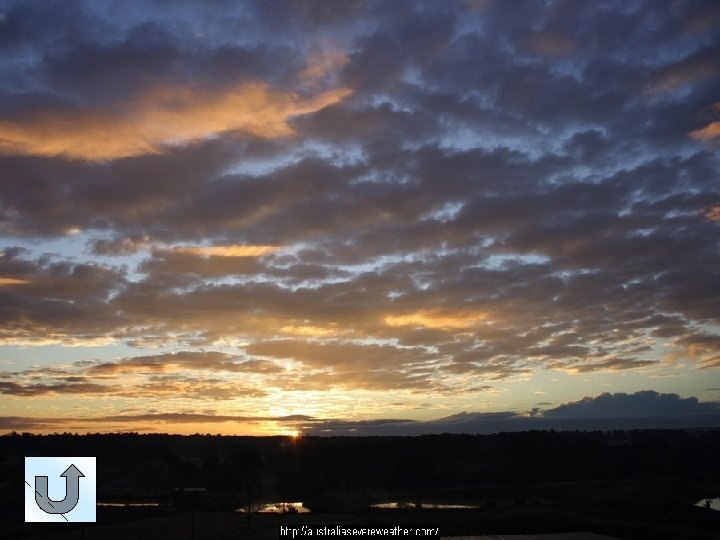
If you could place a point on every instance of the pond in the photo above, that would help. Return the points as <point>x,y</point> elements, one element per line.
<point>276,508</point>
<point>714,504</point>
<point>405,505</point>
<point>130,504</point>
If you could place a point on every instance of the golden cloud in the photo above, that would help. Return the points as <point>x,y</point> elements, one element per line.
<point>159,118</point>
<point>713,214</point>
<point>12,281</point>
<point>225,251</point>
<point>440,319</point>
<point>710,131</point>
<point>308,331</point>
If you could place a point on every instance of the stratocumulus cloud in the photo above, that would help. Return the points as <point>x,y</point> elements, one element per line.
<point>355,211</point>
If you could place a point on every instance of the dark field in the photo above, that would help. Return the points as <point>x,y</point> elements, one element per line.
<point>626,484</point>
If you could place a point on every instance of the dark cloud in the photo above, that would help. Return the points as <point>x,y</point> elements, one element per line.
<point>186,360</point>
<point>167,387</point>
<point>639,404</point>
<point>645,409</point>
<point>164,376</point>
<point>14,423</point>
<point>30,390</point>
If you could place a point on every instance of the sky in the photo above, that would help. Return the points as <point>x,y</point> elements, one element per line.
<point>358,217</point>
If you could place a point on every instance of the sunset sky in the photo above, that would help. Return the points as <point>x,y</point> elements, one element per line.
<point>332,217</point>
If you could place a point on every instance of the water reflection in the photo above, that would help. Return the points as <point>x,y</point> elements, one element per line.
<point>713,504</point>
<point>130,504</point>
<point>276,508</point>
<point>405,505</point>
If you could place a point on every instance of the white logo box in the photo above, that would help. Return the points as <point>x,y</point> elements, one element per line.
<point>69,498</point>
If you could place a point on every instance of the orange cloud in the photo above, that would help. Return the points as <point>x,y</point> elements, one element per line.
<point>685,74</point>
<point>225,251</point>
<point>158,118</point>
<point>321,64</point>
<point>12,281</point>
<point>710,131</point>
<point>441,319</point>
<point>713,214</point>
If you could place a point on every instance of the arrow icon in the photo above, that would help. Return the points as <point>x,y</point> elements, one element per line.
<point>72,492</point>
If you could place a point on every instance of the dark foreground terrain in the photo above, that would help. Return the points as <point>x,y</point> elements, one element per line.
<point>626,484</point>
